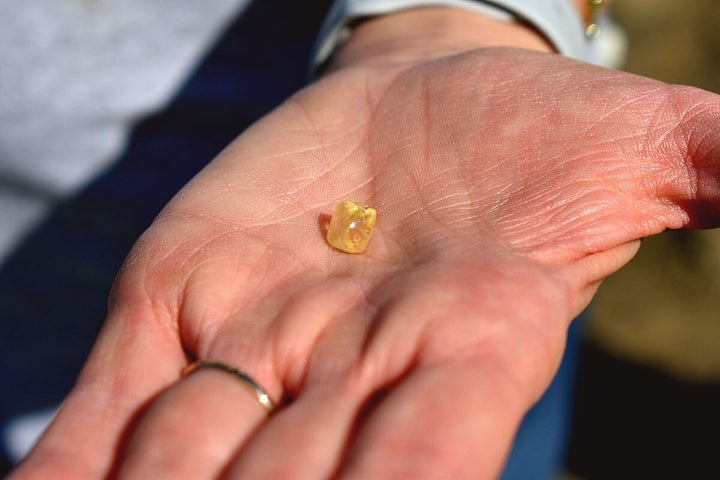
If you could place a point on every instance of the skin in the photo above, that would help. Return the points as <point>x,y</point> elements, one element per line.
<point>508,183</point>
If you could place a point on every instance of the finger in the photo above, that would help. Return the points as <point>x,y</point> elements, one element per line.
<point>698,136</point>
<point>453,420</point>
<point>305,440</point>
<point>135,357</point>
<point>194,428</point>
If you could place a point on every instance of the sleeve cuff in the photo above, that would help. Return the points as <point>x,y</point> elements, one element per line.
<point>557,20</point>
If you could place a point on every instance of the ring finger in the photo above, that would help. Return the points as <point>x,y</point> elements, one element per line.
<point>220,410</point>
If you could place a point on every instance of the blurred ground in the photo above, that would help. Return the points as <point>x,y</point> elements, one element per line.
<point>646,403</point>
<point>664,308</point>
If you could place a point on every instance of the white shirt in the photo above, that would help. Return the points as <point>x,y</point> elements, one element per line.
<point>75,77</point>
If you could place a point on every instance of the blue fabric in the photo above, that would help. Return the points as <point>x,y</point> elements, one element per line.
<point>541,443</point>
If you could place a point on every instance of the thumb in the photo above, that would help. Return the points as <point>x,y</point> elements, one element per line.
<point>694,135</point>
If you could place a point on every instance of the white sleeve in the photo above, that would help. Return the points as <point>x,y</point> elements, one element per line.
<point>558,20</point>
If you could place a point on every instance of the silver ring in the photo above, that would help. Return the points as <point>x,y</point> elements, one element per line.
<point>254,388</point>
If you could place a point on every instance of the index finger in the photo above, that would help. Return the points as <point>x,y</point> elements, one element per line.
<point>136,356</point>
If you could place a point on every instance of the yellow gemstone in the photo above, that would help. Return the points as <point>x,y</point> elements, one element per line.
<point>351,226</point>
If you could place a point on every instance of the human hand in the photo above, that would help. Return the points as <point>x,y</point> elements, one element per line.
<point>508,183</point>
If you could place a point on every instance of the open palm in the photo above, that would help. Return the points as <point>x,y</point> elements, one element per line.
<point>507,184</point>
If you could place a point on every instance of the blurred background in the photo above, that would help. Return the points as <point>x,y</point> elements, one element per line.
<point>647,400</point>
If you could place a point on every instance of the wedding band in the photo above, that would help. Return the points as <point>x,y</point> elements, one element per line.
<point>254,388</point>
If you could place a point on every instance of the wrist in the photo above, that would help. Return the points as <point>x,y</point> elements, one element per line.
<point>423,34</point>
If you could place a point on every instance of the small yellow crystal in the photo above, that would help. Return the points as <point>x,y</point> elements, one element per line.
<point>351,226</point>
